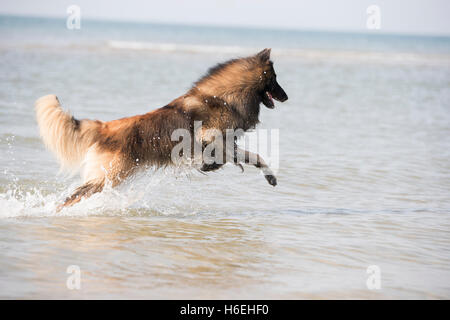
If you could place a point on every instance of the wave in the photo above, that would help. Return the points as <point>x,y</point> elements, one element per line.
<point>310,54</point>
<point>178,47</point>
<point>306,54</point>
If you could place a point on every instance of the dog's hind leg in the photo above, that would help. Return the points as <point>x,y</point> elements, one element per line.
<point>83,191</point>
<point>99,168</point>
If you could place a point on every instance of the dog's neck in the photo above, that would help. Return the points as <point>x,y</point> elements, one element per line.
<point>239,97</point>
<point>233,85</point>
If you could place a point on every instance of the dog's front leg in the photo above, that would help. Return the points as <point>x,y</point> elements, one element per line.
<point>227,150</point>
<point>210,164</point>
<point>256,160</point>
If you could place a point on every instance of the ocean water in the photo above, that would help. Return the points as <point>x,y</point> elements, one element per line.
<point>363,177</point>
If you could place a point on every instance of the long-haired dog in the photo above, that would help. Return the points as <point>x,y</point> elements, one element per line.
<point>227,97</point>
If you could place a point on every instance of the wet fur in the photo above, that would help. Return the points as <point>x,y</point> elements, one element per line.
<point>227,97</point>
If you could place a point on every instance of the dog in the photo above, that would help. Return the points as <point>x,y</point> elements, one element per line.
<point>227,97</point>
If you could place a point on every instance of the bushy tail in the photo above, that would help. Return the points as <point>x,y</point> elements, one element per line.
<point>66,136</point>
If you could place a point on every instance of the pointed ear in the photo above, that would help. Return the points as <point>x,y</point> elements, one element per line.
<point>264,55</point>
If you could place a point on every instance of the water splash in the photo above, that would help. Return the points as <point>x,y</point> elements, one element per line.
<point>148,193</point>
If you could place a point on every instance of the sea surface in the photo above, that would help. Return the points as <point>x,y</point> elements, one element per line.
<point>363,170</point>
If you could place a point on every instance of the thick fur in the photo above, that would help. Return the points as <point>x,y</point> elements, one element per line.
<point>66,136</point>
<point>227,97</point>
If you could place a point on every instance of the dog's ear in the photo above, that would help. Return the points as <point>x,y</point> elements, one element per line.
<point>264,55</point>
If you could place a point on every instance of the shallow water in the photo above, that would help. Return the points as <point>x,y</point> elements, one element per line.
<point>363,174</point>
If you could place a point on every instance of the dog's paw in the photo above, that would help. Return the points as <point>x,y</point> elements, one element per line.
<point>210,167</point>
<point>271,179</point>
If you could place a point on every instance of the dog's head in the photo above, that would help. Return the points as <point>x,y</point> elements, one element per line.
<point>269,87</point>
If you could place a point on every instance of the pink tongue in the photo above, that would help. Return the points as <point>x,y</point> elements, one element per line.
<point>270,96</point>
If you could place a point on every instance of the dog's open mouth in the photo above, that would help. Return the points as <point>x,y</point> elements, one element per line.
<point>275,93</point>
<point>268,100</point>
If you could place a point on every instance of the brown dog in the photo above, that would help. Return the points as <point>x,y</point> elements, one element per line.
<point>228,97</point>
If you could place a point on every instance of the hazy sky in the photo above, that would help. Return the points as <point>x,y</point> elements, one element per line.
<point>400,16</point>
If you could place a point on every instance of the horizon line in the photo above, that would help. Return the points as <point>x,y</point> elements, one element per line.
<point>251,27</point>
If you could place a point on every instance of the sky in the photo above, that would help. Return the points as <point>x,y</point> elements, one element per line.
<point>430,17</point>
